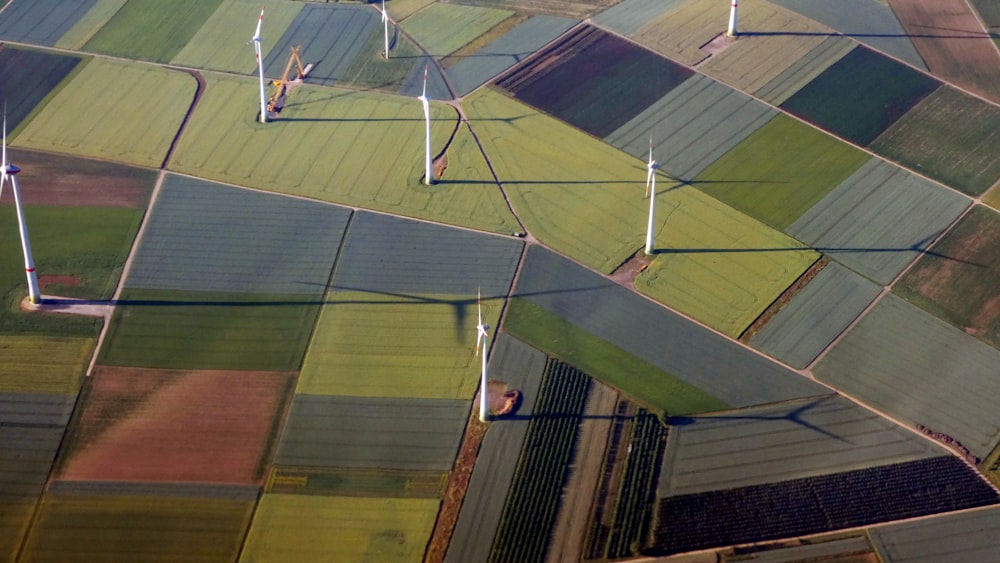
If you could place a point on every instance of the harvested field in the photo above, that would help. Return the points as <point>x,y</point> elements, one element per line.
<point>958,280</point>
<point>680,33</point>
<point>41,22</point>
<point>818,504</point>
<point>151,30</point>
<point>389,433</point>
<point>879,220</point>
<point>464,23</point>
<point>930,373</point>
<point>953,43</point>
<point>57,179</point>
<point>89,23</point>
<point>175,426</point>
<point>24,91</point>
<point>815,316</point>
<point>382,344</point>
<point>629,16</point>
<point>804,438</point>
<point>43,364</point>
<point>287,527</point>
<point>951,137</point>
<point>860,96</point>
<point>298,241</point>
<point>88,528</point>
<point>201,330</point>
<point>969,536</point>
<point>692,126</point>
<point>163,96</point>
<point>780,171</point>
<point>805,69</point>
<point>593,80</point>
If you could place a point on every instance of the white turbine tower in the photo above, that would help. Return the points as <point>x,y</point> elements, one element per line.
<point>732,20</point>
<point>8,170</point>
<point>651,194</point>
<point>385,26</point>
<point>260,66</point>
<point>482,337</point>
<point>429,173</point>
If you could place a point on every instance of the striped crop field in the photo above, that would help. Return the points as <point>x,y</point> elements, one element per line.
<point>629,16</point>
<point>43,364</point>
<point>680,33</point>
<point>15,517</point>
<point>151,30</point>
<point>301,527</point>
<point>88,116</point>
<point>951,137</point>
<point>805,69</point>
<point>89,23</point>
<point>322,147</point>
<point>780,171</point>
<point>26,91</point>
<point>464,23</point>
<point>358,482</point>
<point>63,180</point>
<point>969,536</point>
<point>41,22</point>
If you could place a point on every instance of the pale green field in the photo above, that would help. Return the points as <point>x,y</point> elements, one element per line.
<point>377,345</point>
<point>345,529</point>
<point>353,148</point>
<point>43,364</point>
<point>89,24</point>
<point>679,34</point>
<point>221,44</point>
<point>992,198</point>
<point>114,111</point>
<point>464,23</point>
<point>402,9</point>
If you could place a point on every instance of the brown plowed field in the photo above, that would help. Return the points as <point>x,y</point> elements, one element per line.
<point>52,179</point>
<point>179,426</point>
<point>952,42</point>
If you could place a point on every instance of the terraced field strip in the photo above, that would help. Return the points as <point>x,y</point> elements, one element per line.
<point>815,316</point>
<point>680,33</point>
<point>161,96</point>
<point>471,70</point>
<point>779,172</point>
<point>355,529</point>
<point>358,482</point>
<point>818,504</point>
<point>861,95</point>
<point>951,137</point>
<point>957,279</point>
<point>720,369</point>
<point>771,444</point>
<point>43,364</point>
<point>151,30</point>
<point>931,373</point>
<point>27,79</point>
<point>692,126</point>
<point>629,16</point>
<point>372,432</point>
<point>41,22</point>
<point>879,219</point>
<point>969,536</point>
<point>321,148</point>
<point>298,241</point>
<point>804,70</point>
<point>141,425</point>
<point>464,24</point>
<point>86,528</point>
<point>593,80</point>
<point>204,330</point>
<point>89,23</point>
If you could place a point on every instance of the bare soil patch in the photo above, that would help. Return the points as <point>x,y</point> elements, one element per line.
<point>626,273</point>
<point>45,282</point>
<point>53,179</point>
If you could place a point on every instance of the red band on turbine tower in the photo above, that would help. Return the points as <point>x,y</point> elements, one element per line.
<point>29,270</point>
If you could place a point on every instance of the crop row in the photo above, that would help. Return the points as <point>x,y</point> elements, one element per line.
<point>637,492</point>
<point>818,504</point>
<point>533,500</point>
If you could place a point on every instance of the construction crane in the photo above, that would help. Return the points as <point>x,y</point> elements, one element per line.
<point>283,86</point>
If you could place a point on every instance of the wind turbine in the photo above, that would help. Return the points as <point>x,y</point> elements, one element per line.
<point>429,173</point>
<point>260,66</point>
<point>385,25</point>
<point>482,337</point>
<point>732,20</point>
<point>651,167</point>
<point>8,170</point>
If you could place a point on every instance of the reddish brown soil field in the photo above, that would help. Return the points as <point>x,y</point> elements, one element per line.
<point>179,426</point>
<point>952,42</point>
<point>51,179</point>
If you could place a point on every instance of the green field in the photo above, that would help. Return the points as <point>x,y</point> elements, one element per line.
<point>151,30</point>
<point>780,171</point>
<point>324,147</point>
<point>311,528</point>
<point>805,69</point>
<point>200,330</point>
<point>606,362</point>
<point>464,23</point>
<point>90,23</point>
<point>381,345</point>
<point>113,111</point>
<point>43,364</point>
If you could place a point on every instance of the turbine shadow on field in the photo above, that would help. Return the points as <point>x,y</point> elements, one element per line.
<point>794,416</point>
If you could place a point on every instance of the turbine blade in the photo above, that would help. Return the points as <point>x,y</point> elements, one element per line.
<point>424,95</point>
<point>479,305</point>
<point>650,178</point>
<point>5,138</point>
<point>384,15</point>
<point>260,20</point>
<point>650,151</point>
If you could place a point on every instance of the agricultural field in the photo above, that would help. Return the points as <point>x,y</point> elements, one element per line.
<point>330,36</point>
<point>860,95</point>
<point>572,8</point>
<point>804,70</point>
<point>41,22</point>
<point>931,374</point>
<point>957,279</point>
<point>597,83</point>
<point>950,137</point>
<point>374,432</point>
<point>56,179</point>
<point>87,117</point>
<point>780,171</point>
<point>25,91</point>
<point>358,482</point>
<point>399,10</point>
<point>993,198</point>
<point>15,517</point>
<point>628,17</point>
<point>141,425</point>
<point>969,536</point>
<point>815,316</point>
<point>465,23</point>
<point>85,26</point>
<point>879,219</point>
<point>988,11</point>
<point>44,364</point>
<point>680,33</point>
<point>151,30</point>
<point>298,240</point>
<point>310,528</point>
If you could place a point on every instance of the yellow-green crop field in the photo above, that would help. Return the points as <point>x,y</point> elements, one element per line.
<point>464,23</point>
<point>43,364</point>
<point>89,24</point>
